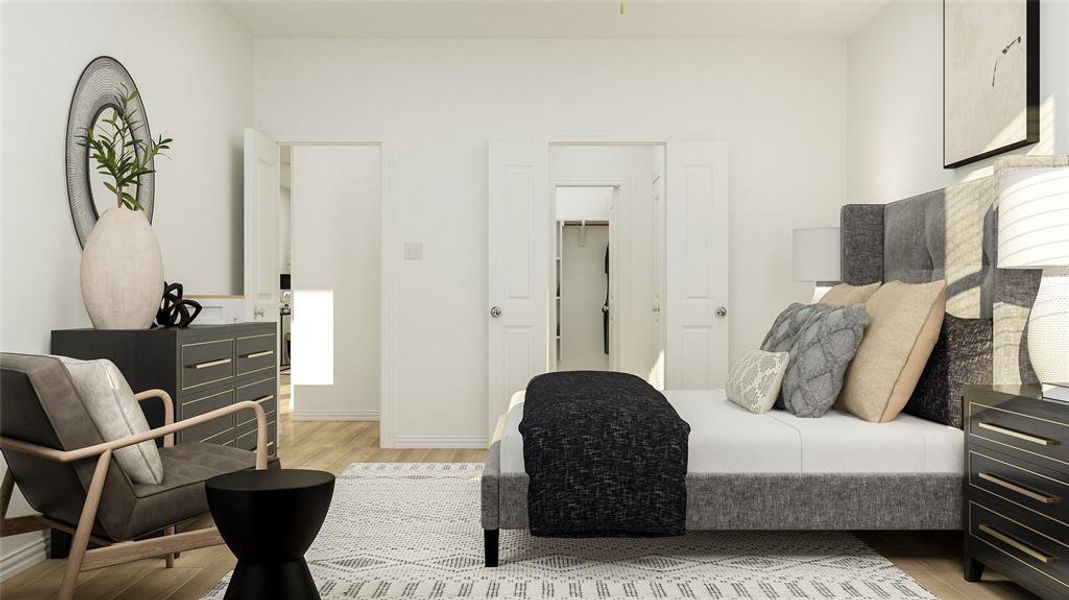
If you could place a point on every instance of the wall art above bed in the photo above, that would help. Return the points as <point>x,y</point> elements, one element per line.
<point>990,78</point>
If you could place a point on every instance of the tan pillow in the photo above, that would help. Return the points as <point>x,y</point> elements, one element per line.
<point>844,294</point>
<point>904,323</point>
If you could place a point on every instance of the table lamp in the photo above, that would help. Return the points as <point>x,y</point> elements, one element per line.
<point>1033,233</point>
<point>816,258</point>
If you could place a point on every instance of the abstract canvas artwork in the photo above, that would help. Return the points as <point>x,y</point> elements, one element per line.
<point>990,78</point>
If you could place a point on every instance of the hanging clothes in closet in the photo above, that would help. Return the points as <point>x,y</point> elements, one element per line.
<point>605,307</point>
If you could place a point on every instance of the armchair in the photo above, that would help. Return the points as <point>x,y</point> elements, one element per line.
<point>64,468</point>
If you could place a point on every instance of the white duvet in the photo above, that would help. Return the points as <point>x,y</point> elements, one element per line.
<point>726,438</point>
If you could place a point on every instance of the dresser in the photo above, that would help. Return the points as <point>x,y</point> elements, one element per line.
<point>1016,513</point>
<point>202,367</point>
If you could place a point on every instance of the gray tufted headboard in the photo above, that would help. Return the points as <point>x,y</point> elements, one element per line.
<point>950,234</point>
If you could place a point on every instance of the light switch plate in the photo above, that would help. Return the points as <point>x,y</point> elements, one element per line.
<point>413,250</point>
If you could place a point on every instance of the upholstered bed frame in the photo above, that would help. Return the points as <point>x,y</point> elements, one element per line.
<point>946,234</point>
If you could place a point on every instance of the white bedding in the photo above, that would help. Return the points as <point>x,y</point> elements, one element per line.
<point>726,438</point>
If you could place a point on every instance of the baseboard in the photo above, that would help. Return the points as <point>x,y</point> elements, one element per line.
<point>439,441</point>
<point>23,558</point>
<point>335,415</point>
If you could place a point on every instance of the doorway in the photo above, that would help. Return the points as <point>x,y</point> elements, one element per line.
<point>583,299</point>
<point>313,264</point>
<point>609,221</point>
<point>675,333</point>
<point>335,231</point>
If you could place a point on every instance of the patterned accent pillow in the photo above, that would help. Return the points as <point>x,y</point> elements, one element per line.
<point>754,381</point>
<point>784,330</point>
<point>826,345</point>
<point>963,355</point>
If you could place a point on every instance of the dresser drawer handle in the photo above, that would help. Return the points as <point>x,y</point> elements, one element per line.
<point>210,363</point>
<point>263,399</point>
<point>1020,489</point>
<point>258,354</point>
<point>1013,433</point>
<point>1017,544</point>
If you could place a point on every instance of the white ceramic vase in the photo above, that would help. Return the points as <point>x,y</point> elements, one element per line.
<point>122,271</point>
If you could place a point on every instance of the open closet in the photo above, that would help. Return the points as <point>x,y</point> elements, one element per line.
<point>583,279</point>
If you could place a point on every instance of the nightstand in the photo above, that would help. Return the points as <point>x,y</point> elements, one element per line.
<point>1016,512</point>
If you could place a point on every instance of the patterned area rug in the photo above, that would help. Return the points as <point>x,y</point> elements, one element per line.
<point>412,531</point>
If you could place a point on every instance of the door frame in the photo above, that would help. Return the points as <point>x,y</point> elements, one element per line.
<point>628,141</point>
<point>621,190</point>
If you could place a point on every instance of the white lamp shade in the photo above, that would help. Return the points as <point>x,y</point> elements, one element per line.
<point>816,254</point>
<point>1033,219</point>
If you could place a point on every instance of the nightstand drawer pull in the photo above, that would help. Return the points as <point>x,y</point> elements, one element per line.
<point>263,399</point>
<point>258,354</point>
<point>1017,545</point>
<point>210,363</point>
<point>1020,489</point>
<point>1013,433</point>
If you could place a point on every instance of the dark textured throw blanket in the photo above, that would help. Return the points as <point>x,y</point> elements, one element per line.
<point>605,454</point>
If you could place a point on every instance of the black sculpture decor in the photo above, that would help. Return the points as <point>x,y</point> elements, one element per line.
<point>175,310</point>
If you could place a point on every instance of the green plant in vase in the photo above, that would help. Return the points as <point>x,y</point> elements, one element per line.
<point>118,154</point>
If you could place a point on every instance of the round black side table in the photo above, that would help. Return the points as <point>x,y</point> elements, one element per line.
<point>269,519</point>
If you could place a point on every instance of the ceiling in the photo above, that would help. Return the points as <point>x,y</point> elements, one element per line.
<point>559,19</point>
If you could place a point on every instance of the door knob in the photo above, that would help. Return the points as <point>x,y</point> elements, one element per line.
<point>721,312</point>
<point>495,312</point>
<point>260,312</point>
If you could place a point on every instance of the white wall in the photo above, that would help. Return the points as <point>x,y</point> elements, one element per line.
<point>896,100</point>
<point>780,103</point>
<point>336,200</point>
<point>193,66</point>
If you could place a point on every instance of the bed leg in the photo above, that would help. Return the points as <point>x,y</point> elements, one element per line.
<point>490,538</point>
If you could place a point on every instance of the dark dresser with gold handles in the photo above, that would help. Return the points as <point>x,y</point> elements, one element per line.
<point>1016,513</point>
<point>203,367</point>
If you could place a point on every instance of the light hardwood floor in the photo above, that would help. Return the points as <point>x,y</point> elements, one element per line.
<point>931,558</point>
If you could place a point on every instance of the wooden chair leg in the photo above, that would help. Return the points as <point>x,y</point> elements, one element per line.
<point>85,528</point>
<point>170,557</point>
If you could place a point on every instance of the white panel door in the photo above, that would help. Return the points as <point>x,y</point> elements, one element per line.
<point>696,265</point>
<point>518,309</point>
<point>261,227</point>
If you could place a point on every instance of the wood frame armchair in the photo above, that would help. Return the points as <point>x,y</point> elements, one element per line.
<point>102,481</point>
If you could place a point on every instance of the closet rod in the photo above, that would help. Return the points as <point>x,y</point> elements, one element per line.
<point>588,223</point>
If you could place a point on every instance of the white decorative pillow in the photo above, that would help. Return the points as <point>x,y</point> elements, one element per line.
<point>755,380</point>
<point>111,406</point>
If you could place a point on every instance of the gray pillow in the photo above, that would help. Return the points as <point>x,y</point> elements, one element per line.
<point>963,355</point>
<point>784,330</point>
<point>826,343</point>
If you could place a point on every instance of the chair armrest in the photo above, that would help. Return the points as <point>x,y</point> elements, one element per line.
<point>66,456</point>
<point>168,409</point>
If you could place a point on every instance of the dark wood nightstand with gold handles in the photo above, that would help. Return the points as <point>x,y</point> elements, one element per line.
<point>1016,513</point>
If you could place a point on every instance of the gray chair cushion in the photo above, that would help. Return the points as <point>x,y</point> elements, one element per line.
<point>181,495</point>
<point>827,342</point>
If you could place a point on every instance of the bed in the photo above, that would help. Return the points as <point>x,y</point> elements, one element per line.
<point>778,472</point>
